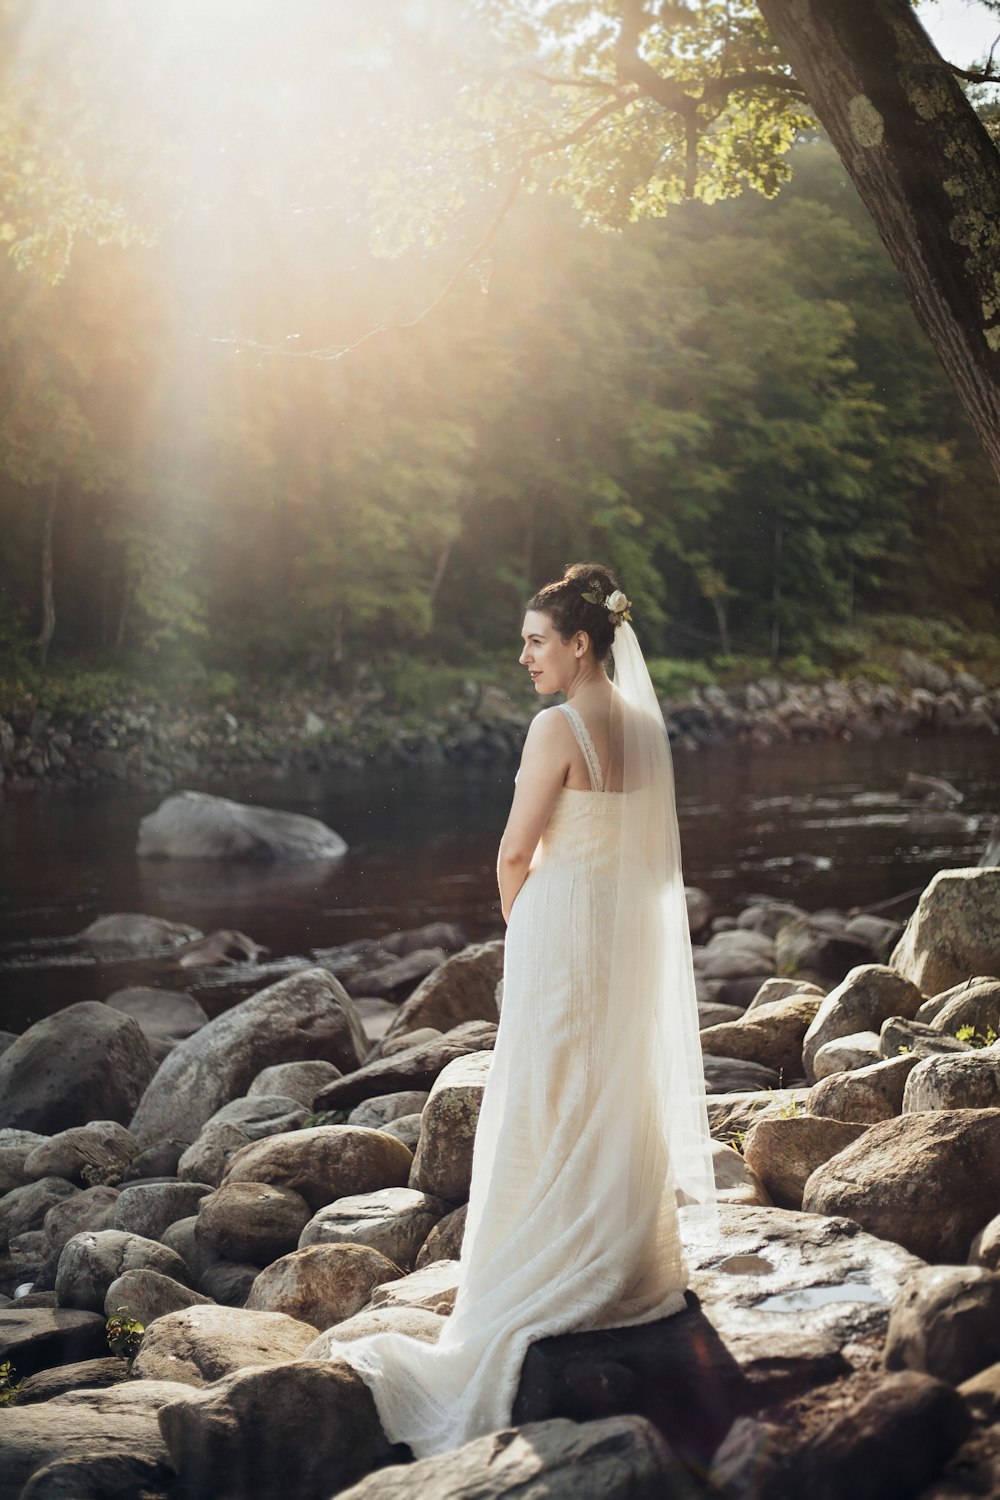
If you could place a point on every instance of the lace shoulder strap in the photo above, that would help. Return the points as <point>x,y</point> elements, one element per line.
<point>586,744</point>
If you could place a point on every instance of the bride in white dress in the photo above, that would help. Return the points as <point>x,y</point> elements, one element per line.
<point>593,1124</point>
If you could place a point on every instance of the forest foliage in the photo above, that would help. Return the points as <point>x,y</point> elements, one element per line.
<point>734,406</point>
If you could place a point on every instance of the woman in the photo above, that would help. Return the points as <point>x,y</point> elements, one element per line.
<point>593,1122</point>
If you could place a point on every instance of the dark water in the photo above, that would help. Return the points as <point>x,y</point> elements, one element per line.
<point>422,848</point>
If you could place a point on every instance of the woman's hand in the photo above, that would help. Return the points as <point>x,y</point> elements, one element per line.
<point>545,761</point>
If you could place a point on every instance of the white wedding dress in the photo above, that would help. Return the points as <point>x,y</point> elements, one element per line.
<point>572,1220</point>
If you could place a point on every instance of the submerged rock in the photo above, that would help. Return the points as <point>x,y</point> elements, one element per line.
<point>195,825</point>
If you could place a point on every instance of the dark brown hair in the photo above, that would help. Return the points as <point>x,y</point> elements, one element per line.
<point>569,611</point>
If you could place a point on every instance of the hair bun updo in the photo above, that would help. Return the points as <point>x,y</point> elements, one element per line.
<point>569,611</point>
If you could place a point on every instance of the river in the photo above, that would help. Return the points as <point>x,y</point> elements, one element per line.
<point>819,824</point>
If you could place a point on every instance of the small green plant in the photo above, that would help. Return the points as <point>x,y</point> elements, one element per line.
<point>787,1108</point>
<point>10,1389</point>
<point>903,1048</point>
<point>976,1038</point>
<point>325,1117</point>
<point>735,1140</point>
<point>124,1334</point>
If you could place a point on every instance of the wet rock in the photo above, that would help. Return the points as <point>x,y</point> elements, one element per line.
<point>322,1284</point>
<point>861,1002</point>
<point>768,1034</point>
<point>83,1063</point>
<point>783,1152</point>
<point>895,1441</point>
<point>36,1338</point>
<point>147,1295</point>
<point>255,1434</point>
<point>97,1152</point>
<point>395,1222</point>
<point>165,1016</point>
<point>945,1322</point>
<point>308,1015</point>
<point>729,1075</point>
<point>930,790</point>
<point>136,932</point>
<point>970,1080</point>
<point>459,990</point>
<point>252,1222</point>
<point>383,1108</point>
<point>200,1344</point>
<point>295,1080</point>
<point>195,825</point>
<point>416,1068</point>
<point>397,977</point>
<point>954,932</point>
<point>843,1054</point>
<point>442,1165</point>
<point>90,1262</point>
<point>324,1163</point>
<point>24,1208</point>
<point>445,1240</point>
<point>619,1458</point>
<point>148,1208</point>
<point>887,1178</point>
<point>865,1094</point>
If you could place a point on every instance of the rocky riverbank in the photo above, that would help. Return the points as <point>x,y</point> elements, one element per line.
<point>145,743</point>
<point>215,1196</point>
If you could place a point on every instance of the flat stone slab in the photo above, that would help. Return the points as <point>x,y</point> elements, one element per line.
<point>36,1338</point>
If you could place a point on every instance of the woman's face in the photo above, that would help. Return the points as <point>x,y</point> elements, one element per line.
<point>551,662</point>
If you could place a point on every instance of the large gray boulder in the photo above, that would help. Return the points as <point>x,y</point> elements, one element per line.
<point>784,1151</point>
<point>770,1034</point>
<point>232,1127</point>
<point>200,1344</point>
<point>166,1016</point>
<point>619,1458</point>
<point>94,1153</point>
<point>148,1295</point>
<point>24,1208</point>
<point>195,825</point>
<point>252,1222</point>
<point>954,932</point>
<point>324,1163</point>
<point>394,1221</point>
<point>867,1094</point>
<point>306,1016</point>
<point>148,1208</point>
<point>87,1062</point>
<point>929,1181</point>
<point>91,1261</point>
<point>945,1322</point>
<point>442,1165</point>
<point>463,988</point>
<point>322,1284</point>
<point>37,1338</point>
<point>135,931</point>
<point>297,1430</point>
<point>861,1002</point>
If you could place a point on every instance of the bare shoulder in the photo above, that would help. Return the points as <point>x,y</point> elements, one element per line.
<point>549,729</point>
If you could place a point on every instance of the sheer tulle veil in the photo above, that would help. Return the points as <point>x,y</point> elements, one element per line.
<point>652,1012</point>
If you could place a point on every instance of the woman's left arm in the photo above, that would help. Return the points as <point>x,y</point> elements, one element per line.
<point>544,763</point>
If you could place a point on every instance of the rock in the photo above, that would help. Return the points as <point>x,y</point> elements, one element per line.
<point>732,1114</point>
<point>416,1068</point>
<point>415,1322</point>
<point>97,1152</point>
<point>223,946</point>
<point>295,1080</point>
<point>256,1435</point>
<point>861,1002</point>
<point>405,1041</point>
<point>207,1159</point>
<point>783,1152</point>
<point>866,1094</point>
<point>888,1177</point>
<point>36,1338</point>
<point>445,1240</point>
<point>91,1209</point>
<point>985,1247</point>
<point>812,948</point>
<point>933,1007</point>
<point>228,1283</point>
<point>136,932</point>
<point>991,854</point>
<point>945,1322</point>
<point>165,1016</point>
<point>405,1129</point>
<point>894,1442</point>
<point>976,1004</point>
<point>90,1262</point>
<point>775,989</point>
<point>899,1037</point>
<point>461,989</point>
<point>700,908</point>
<point>845,1053</point>
<point>24,1208</point>
<point>432,935</point>
<point>735,1181</point>
<point>432,1288</point>
<point>442,1165</point>
<point>38,1436</point>
<point>83,1063</point>
<point>197,1256</point>
<point>157,1160</point>
<point>395,1222</point>
<point>930,790</point>
<point>147,1295</point>
<point>713,1013</point>
<point>86,1374</point>
<point>880,935</point>
<point>921,673</point>
<point>252,1222</point>
<point>250,1118</point>
<point>397,977</point>
<point>194,825</point>
<point>322,1284</point>
<point>308,1015</point>
<point>769,917</point>
<point>729,1075</point>
<point>200,1344</point>
<point>148,1208</point>
<point>619,1458</point>
<point>981,1394</point>
<point>383,1108</point>
<point>954,932</point>
<point>100,1476</point>
<point>768,1034</point>
<point>324,1163</point>
<point>970,1080</point>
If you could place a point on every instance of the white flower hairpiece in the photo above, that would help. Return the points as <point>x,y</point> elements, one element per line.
<point>618,606</point>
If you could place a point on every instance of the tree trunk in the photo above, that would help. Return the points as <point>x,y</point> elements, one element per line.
<point>720,620</point>
<point>925,168</point>
<point>48,593</point>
